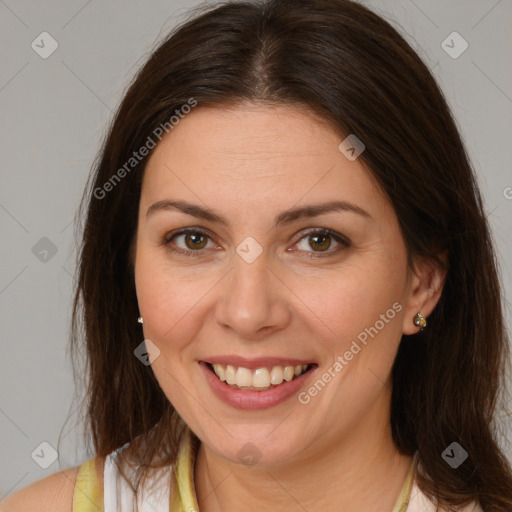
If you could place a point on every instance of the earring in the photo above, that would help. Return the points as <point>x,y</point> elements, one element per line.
<point>140,320</point>
<point>420,321</point>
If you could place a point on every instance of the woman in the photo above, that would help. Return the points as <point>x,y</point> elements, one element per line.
<point>285,212</point>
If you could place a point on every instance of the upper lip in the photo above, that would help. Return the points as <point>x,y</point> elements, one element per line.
<point>257,362</point>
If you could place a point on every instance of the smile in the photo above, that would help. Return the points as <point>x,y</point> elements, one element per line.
<point>258,379</point>
<point>255,383</point>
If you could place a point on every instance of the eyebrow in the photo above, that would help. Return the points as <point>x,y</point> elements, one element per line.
<point>283,218</point>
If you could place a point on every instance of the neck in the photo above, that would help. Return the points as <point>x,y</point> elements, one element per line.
<point>361,470</point>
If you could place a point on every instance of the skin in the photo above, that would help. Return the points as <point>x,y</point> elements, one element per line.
<point>249,163</point>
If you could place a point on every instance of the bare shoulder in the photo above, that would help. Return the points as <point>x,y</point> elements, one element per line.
<point>55,493</point>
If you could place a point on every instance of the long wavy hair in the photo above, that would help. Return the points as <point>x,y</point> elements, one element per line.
<point>349,66</point>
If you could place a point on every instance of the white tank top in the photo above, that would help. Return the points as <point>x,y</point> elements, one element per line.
<point>118,496</point>
<point>175,492</point>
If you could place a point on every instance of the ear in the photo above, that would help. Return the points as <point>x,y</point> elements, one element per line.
<point>426,285</point>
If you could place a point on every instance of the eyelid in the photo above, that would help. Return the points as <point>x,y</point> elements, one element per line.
<point>169,236</point>
<point>343,241</point>
<point>166,242</point>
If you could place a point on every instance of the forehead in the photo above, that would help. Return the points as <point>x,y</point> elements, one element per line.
<point>253,155</point>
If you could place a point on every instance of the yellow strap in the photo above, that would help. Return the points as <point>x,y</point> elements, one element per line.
<point>88,495</point>
<point>184,479</point>
<point>403,498</point>
<point>183,495</point>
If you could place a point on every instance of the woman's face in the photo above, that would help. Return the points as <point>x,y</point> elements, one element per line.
<point>260,289</point>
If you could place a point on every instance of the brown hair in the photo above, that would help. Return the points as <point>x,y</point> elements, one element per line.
<point>350,67</point>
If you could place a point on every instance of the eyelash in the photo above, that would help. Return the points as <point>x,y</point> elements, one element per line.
<point>343,241</point>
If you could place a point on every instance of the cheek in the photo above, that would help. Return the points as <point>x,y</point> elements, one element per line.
<point>340,304</point>
<point>155,295</point>
<point>360,309</point>
<point>170,298</point>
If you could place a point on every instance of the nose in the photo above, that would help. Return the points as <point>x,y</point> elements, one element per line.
<point>253,301</point>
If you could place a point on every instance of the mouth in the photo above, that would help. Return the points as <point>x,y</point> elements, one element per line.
<point>261,378</point>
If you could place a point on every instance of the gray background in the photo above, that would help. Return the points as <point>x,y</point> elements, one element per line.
<point>55,112</point>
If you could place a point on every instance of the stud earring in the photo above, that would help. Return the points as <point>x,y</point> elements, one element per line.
<point>140,320</point>
<point>420,321</point>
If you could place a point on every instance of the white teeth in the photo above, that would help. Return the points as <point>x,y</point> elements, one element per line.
<point>288,373</point>
<point>219,371</point>
<point>230,375</point>
<point>276,375</point>
<point>261,378</point>
<point>243,377</point>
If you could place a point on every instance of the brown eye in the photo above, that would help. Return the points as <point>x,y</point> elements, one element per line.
<point>320,241</point>
<point>195,240</point>
<point>189,242</point>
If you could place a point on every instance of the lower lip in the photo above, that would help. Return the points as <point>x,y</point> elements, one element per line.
<point>245,399</point>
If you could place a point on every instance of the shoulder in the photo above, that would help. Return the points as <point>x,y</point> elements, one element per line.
<point>54,492</point>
